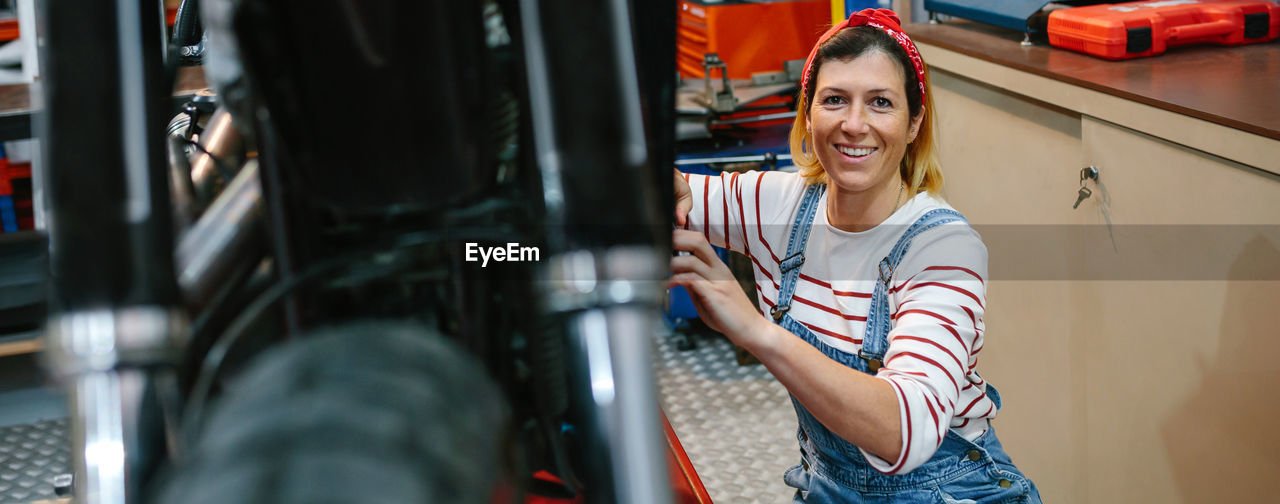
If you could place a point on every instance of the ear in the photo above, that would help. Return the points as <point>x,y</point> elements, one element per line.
<point>915,125</point>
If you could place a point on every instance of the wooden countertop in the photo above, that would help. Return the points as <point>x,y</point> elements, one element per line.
<point>15,99</point>
<point>1237,87</point>
<point>21,344</point>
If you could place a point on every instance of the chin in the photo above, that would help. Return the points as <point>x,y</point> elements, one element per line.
<point>851,181</point>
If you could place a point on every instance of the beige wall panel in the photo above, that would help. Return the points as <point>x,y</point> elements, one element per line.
<point>1166,183</point>
<point>1181,390</point>
<point>1181,371</point>
<point>1010,165</point>
<point>1005,159</point>
<point>1031,357</point>
<point>903,9</point>
<point>1174,213</point>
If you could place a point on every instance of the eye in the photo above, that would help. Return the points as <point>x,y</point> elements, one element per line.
<point>881,102</point>
<point>833,100</point>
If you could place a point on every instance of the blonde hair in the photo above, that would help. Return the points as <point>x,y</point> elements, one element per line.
<point>919,169</point>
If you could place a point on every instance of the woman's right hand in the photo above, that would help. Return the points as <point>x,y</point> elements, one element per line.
<point>684,199</point>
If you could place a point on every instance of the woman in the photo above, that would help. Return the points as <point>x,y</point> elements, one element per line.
<point>874,287</point>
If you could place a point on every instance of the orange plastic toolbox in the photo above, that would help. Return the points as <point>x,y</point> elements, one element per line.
<point>1138,29</point>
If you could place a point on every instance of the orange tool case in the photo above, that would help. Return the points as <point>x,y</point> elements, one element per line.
<point>1138,29</point>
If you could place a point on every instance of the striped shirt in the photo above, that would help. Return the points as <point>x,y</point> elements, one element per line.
<point>936,296</point>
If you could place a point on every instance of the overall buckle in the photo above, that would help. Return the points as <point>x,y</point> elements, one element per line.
<point>873,362</point>
<point>886,271</point>
<point>791,262</point>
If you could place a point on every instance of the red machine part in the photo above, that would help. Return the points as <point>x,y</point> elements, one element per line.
<point>9,26</point>
<point>748,37</point>
<point>1139,29</point>
<point>685,483</point>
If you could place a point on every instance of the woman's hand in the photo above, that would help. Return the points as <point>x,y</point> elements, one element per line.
<point>715,292</point>
<point>684,199</point>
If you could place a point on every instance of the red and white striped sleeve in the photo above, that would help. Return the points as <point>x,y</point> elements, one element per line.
<point>716,209</point>
<point>937,301</point>
<point>733,209</point>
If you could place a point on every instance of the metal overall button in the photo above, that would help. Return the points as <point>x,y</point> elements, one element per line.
<point>974,455</point>
<point>1004,483</point>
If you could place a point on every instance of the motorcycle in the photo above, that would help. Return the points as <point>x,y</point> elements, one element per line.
<point>407,250</point>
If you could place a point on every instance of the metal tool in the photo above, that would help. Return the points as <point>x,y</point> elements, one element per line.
<point>723,100</point>
<point>768,158</point>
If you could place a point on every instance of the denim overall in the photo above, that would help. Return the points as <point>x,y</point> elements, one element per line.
<point>833,470</point>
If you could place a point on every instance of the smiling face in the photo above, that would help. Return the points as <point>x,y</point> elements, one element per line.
<point>860,123</point>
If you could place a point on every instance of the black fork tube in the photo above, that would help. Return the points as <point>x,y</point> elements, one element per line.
<point>603,268</point>
<point>103,130</point>
<point>114,325</point>
<point>588,125</point>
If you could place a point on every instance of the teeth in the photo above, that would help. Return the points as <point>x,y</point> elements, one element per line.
<point>855,152</point>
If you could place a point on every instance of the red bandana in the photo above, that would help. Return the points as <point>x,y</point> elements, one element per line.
<point>885,20</point>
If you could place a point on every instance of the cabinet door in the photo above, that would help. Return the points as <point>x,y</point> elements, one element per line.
<point>1011,166</point>
<point>1178,318</point>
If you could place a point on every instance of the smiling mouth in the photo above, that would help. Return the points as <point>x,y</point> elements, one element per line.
<point>855,152</point>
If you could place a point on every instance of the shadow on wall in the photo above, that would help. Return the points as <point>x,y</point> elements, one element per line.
<point>1223,442</point>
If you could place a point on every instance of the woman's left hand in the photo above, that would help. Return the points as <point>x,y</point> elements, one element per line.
<point>715,292</point>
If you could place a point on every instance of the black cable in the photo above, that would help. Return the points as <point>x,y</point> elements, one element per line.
<point>568,477</point>
<point>213,360</point>
<point>224,171</point>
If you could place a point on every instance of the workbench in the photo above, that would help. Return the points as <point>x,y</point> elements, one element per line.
<point>16,107</point>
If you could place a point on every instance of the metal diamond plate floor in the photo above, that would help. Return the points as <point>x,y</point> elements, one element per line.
<point>735,422</point>
<point>31,455</point>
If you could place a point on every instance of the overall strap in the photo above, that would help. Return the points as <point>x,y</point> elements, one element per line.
<point>790,264</point>
<point>876,340</point>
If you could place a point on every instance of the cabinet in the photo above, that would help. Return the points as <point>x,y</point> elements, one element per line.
<point>1132,339</point>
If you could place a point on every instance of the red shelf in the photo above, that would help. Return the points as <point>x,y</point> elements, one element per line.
<point>9,27</point>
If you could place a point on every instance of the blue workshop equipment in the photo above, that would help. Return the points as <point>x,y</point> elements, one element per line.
<point>1012,14</point>
<point>852,6</point>
<point>766,145</point>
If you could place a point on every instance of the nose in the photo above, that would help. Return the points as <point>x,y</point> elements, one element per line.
<point>855,122</point>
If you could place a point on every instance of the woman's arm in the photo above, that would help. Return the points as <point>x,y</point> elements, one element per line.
<point>858,407</point>
<point>723,208</point>
<point>902,414</point>
<point>937,299</point>
<point>684,199</point>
